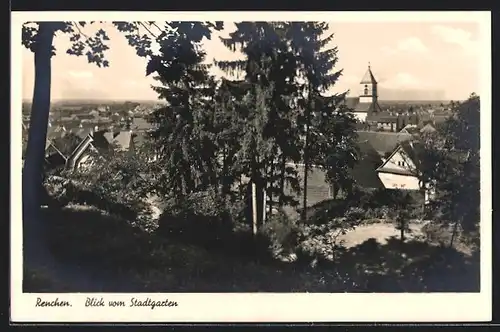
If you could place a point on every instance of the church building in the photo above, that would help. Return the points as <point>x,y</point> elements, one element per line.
<point>366,105</point>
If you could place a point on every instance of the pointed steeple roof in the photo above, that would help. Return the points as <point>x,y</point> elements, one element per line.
<point>368,78</point>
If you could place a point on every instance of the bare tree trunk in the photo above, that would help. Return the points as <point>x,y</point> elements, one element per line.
<point>270,196</point>
<point>402,231</point>
<point>454,234</point>
<point>255,216</point>
<point>306,169</point>
<point>283,175</point>
<point>35,150</point>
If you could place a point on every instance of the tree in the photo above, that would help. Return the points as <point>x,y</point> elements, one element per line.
<point>183,129</point>
<point>337,147</point>
<point>316,70</point>
<point>38,37</point>
<point>267,116</point>
<point>453,165</point>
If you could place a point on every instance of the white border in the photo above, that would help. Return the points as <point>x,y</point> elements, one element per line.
<point>253,307</point>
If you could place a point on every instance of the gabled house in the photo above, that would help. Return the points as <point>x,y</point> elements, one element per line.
<point>399,171</point>
<point>402,167</point>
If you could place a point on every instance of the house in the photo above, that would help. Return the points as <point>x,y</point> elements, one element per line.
<point>59,148</point>
<point>363,173</point>
<point>401,169</point>
<point>98,143</point>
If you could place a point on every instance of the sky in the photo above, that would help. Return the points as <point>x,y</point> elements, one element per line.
<point>414,60</point>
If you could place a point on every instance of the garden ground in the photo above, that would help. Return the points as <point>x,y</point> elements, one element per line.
<point>371,260</point>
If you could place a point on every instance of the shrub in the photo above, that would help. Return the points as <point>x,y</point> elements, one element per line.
<point>201,217</point>
<point>119,202</point>
<point>321,242</point>
<point>325,211</point>
<point>355,213</point>
<point>281,233</point>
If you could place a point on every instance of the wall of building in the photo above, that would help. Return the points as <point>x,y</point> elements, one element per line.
<point>397,181</point>
<point>400,162</point>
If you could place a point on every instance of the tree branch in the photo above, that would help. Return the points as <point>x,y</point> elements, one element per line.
<point>79,30</point>
<point>147,29</point>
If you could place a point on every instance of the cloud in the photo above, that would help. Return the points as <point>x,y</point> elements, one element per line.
<point>456,36</point>
<point>81,74</point>
<point>412,44</point>
<point>407,45</point>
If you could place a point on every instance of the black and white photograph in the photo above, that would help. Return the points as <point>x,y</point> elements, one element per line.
<point>232,153</point>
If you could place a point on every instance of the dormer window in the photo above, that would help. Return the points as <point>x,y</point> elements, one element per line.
<point>366,89</point>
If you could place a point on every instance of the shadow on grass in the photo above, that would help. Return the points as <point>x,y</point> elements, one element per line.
<point>147,262</point>
<point>414,266</point>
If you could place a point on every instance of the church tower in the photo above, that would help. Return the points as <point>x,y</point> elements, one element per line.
<point>367,103</point>
<point>368,93</point>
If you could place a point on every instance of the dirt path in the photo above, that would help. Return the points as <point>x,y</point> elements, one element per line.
<point>380,232</point>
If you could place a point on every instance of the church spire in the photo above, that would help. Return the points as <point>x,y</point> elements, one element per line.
<point>368,78</point>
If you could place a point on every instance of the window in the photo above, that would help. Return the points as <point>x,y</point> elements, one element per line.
<point>366,89</point>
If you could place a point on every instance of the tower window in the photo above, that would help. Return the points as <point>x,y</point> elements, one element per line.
<point>366,89</point>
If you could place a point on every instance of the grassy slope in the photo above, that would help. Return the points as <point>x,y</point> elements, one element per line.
<point>147,263</point>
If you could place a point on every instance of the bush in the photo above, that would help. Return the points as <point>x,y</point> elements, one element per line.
<point>281,233</point>
<point>325,211</point>
<point>201,217</point>
<point>355,213</point>
<point>321,242</point>
<point>121,202</point>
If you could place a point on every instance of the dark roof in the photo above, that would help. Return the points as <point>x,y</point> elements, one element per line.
<point>368,78</point>
<point>364,172</point>
<point>363,107</point>
<point>382,116</point>
<point>351,102</point>
<point>140,123</point>
<point>66,144</point>
<point>414,150</point>
<point>54,160</point>
<point>383,142</point>
<point>100,142</point>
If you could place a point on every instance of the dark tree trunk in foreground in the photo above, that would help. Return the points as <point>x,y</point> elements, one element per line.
<point>454,234</point>
<point>35,150</point>
<point>306,171</point>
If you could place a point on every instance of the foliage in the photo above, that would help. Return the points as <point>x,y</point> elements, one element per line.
<point>321,242</point>
<point>202,218</point>
<point>118,186</point>
<point>286,120</point>
<point>281,232</point>
<point>183,133</point>
<point>452,165</point>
